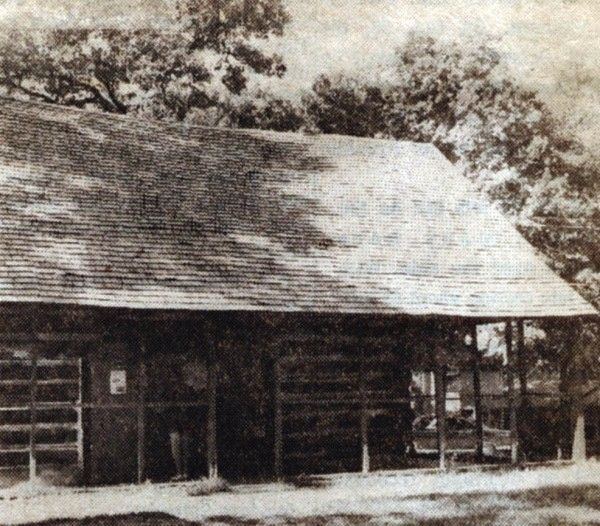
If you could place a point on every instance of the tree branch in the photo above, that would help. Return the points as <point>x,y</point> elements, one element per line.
<point>98,97</point>
<point>120,107</point>
<point>34,93</point>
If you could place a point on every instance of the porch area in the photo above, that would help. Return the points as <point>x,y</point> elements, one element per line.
<point>93,396</point>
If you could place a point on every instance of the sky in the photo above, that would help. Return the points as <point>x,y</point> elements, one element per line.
<point>552,46</point>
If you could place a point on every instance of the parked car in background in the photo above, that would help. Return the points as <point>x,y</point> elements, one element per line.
<point>461,437</point>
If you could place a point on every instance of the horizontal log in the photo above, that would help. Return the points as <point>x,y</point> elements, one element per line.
<point>289,360</point>
<point>352,452</point>
<point>41,362</point>
<point>67,446</point>
<point>89,405</point>
<point>334,338</point>
<point>68,426</point>
<point>351,380</point>
<point>374,398</point>
<point>320,433</point>
<point>41,337</point>
<point>52,381</point>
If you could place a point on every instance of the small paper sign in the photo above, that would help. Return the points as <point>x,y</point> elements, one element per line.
<point>118,382</point>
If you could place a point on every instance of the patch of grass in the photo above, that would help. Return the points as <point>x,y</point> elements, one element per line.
<point>564,495</point>
<point>485,519</point>
<point>134,519</point>
<point>305,481</point>
<point>228,520</point>
<point>162,519</point>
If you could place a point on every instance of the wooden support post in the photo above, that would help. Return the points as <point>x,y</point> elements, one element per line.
<point>579,453</point>
<point>80,418</point>
<point>33,415</point>
<point>141,414</point>
<point>521,362</point>
<point>364,414</point>
<point>277,419</point>
<point>211,430</point>
<point>510,381</point>
<point>522,374</point>
<point>440,412</point>
<point>477,395</point>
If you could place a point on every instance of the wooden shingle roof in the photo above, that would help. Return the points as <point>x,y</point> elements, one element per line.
<point>104,210</point>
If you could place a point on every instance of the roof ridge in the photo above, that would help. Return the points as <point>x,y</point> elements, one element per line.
<point>183,126</point>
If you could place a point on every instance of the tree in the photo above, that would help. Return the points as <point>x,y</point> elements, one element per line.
<point>264,111</point>
<point>189,71</point>
<point>346,106</point>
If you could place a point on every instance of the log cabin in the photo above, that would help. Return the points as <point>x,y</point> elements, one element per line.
<point>285,280</point>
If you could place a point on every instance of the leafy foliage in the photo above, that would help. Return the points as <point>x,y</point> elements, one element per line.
<point>190,71</point>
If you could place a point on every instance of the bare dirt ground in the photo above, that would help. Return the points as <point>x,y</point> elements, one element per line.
<point>537,497</point>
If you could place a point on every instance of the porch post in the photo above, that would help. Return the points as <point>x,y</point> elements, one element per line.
<point>33,414</point>
<point>141,412</point>
<point>522,374</point>
<point>510,380</point>
<point>440,412</point>
<point>80,462</point>
<point>477,394</point>
<point>211,430</point>
<point>579,453</point>
<point>364,414</point>
<point>521,365</point>
<point>277,417</point>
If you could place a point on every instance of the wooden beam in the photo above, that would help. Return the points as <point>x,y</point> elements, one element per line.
<point>579,450</point>
<point>49,337</point>
<point>476,354</point>
<point>364,414</point>
<point>33,414</point>
<point>211,425</point>
<point>521,362</point>
<point>522,375</point>
<point>79,409</point>
<point>277,418</point>
<point>440,412</point>
<point>510,381</point>
<point>141,413</point>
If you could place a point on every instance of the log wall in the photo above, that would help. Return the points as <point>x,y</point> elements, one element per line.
<point>343,404</point>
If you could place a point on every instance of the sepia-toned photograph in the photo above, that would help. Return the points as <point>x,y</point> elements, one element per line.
<point>299,262</point>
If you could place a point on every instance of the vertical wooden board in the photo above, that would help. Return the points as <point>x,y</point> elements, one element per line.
<point>510,380</point>
<point>579,449</point>
<point>141,418</point>
<point>211,432</point>
<point>364,414</point>
<point>278,419</point>
<point>476,365</point>
<point>80,442</point>
<point>440,413</point>
<point>33,414</point>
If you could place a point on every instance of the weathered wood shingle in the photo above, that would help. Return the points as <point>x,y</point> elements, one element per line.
<point>104,210</point>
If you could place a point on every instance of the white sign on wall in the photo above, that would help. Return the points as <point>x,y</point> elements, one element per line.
<point>118,382</point>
